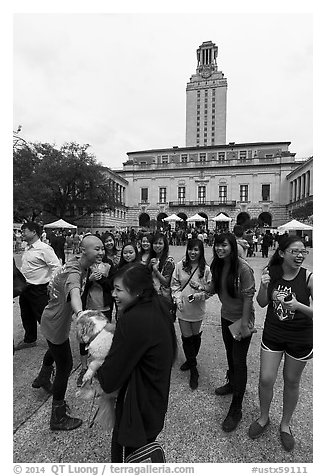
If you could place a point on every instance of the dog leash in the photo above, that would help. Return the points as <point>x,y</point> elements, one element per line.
<point>90,421</point>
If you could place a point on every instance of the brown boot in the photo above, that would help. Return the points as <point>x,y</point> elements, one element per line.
<point>60,421</point>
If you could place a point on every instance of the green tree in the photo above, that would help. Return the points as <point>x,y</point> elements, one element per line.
<point>65,181</point>
<point>304,212</point>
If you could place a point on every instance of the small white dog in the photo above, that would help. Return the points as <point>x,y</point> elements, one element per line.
<point>95,330</point>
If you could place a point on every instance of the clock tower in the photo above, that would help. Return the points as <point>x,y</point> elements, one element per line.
<point>206,100</point>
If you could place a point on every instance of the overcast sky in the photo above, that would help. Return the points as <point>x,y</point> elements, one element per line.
<point>118,81</point>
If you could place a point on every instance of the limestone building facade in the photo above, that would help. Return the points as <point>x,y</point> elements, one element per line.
<point>300,186</point>
<point>243,181</point>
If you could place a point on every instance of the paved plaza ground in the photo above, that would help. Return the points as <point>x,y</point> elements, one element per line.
<point>192,432</point>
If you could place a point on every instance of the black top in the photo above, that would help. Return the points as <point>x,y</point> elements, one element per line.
<point>286,321</point>
<point>139,364</point>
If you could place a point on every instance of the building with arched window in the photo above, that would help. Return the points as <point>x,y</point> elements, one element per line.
<point>243,181</point>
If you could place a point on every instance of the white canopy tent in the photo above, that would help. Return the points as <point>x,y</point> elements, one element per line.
<point>195,218</point>
<point>222,217</point>
<point>294,225</point>
<point>59,224</point>
<point>172,217</point>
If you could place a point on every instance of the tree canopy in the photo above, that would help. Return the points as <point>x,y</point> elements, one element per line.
<point>65,182</point>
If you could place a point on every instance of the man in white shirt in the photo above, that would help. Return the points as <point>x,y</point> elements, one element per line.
<point>39,263</point>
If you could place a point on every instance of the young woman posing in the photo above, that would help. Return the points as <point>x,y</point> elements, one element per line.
<point>190,278</point>
<point>233,281</point>
<point>162,265</point>
<point>145,253</point>
<point>111,252</point>
<point>129,254</point>
<point>286,288</point>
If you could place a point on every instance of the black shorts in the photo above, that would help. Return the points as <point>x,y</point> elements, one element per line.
<point>298,351</point>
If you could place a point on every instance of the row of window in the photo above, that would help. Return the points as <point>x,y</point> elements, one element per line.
<point>206,92</point>
<point>117,214</point>
<point>201,193</point>
<point>202,156</point>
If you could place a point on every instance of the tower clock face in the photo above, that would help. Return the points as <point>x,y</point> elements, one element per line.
<point>206,72</point>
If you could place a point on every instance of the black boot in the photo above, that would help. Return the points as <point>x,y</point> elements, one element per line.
<point>193,381</point>
<point>187,344</point>
<point>197,342</point>
<point>60,421</point>
<point>44,378</point>
<point>227,388</point>
<point>234,415</point>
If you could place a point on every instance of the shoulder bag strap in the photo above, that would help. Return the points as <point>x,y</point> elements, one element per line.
<point>185,285</point>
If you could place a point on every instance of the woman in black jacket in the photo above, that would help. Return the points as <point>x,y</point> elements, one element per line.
<point>139,362</point>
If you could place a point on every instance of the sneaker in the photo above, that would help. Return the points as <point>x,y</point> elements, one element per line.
<point>256,429</point>
<point>80,377</point>
<point>232,419</point>
<point>25,345</point>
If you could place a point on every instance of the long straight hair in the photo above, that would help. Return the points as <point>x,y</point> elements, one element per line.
<point>186,264</point>
<point>165,251</point>
<point>149,237</point>
<point>217,265</point>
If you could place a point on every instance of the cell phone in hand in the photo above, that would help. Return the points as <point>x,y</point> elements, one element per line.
<point>289,297</point>
<point>191,298</point>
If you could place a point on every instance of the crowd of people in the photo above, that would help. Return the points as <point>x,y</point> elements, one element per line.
<point>136,283</point>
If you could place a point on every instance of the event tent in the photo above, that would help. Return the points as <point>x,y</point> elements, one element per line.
<point>221,217</point>
<point>172,217</point>
<point>59,224</point>
<point>196,218</point>
<point>294,225</point>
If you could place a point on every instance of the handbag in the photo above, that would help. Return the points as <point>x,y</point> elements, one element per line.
<point>19,281</point>
<point>150,453</point>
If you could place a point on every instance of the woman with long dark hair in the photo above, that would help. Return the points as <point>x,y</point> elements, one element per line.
<point>233,281</point>
<point>162,265</point>
<point>129,254</point>
<point>190,278</point>
<point>145,252</point>
<point>286,288</point>
<point>112,254</point>
<point>139,362</point>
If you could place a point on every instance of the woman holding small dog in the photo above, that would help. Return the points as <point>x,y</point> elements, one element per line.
<point>139,361</point>
<point>190,278</point>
